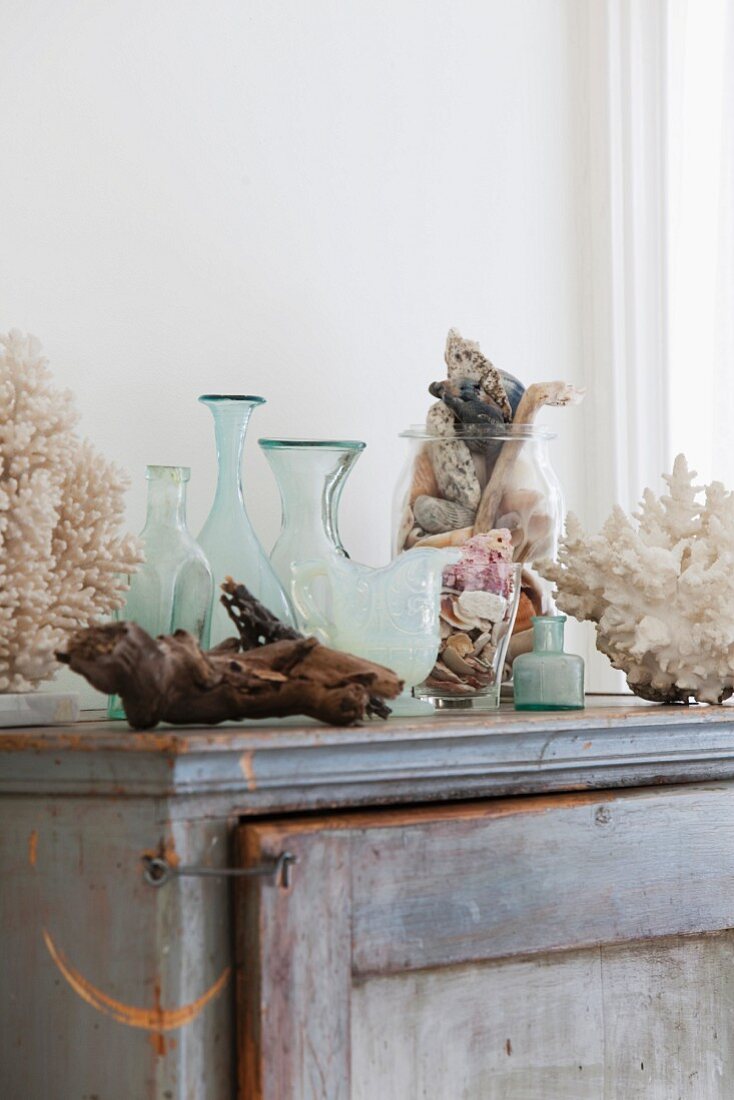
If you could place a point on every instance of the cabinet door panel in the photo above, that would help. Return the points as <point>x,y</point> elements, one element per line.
<point>537,874</point>
<point>490,950</point>
<point>529,1029</point>
<point>634,1022</point>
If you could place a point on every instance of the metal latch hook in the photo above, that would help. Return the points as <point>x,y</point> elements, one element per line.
<point>157,871</point>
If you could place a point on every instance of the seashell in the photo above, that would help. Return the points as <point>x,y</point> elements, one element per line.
<point>525,612</point>
<point>487,653</point>
<point>480,466</point>
<point>482,605</point>
<point>465,360</point>
<point>450,614</point>
<point>534,398</point>
<point>414,536</point>
<point>514,389</point>
<point>442,673</point>
<point>484,638</point>
<point>456,663</point>
<point>519,643</point>
<point>536,589</point>
<point>447,538</point>
<point>436,516</point>
<point>540,538</point>
<point>468,402</point>
<point>446,630</point>
<point>424,479</point>
<point>523,512</point>
<point>524,501</point>
<point>454,687</point>
<point>455,474</point>
<point>461,644</point>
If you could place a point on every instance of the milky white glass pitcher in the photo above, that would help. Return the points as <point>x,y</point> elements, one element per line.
<point>388,615</point>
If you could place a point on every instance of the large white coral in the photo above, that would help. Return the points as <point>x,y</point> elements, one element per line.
<point>661,593</point>
<point>62,559</point>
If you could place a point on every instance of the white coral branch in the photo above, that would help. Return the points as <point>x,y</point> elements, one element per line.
<point>662,592</point>
<point>63,561</point>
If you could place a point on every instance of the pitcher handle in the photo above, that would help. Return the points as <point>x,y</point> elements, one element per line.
<point>302,577</point>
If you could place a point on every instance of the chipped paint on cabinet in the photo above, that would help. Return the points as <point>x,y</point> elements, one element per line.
<point>110,987</point>
<point>609,904</point>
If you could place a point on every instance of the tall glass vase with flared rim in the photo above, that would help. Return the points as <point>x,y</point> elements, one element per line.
<point>227,537</point>
<point>311,474</point>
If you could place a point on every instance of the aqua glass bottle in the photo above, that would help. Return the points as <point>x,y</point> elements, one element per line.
<point>173,588</point>
<point>227,538</point>
<point>548,678</point>
<point>311,474</point>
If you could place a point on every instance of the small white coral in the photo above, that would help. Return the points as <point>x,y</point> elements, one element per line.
<point>62,559</point>
<point>661,593</point>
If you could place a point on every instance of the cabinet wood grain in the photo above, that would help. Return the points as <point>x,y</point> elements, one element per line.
<point>547,948</point>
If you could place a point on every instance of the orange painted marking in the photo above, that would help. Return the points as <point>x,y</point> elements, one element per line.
<point>248,769</point>
<point>150,1019</point>
<point>33,848</point>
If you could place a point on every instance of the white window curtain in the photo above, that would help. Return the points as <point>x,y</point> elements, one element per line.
<point>701,235</point>
<point>657,236</point>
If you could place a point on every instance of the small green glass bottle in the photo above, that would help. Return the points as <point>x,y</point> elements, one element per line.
<point>548,678</point>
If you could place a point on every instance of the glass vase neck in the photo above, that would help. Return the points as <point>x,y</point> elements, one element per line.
<point>166,496</point>
<point>311,474</point>
<point>548,633</point>
<point>231,414</point>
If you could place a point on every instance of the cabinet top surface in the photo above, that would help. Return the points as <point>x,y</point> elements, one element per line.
<point>288,764</point>
<point>95,733</point>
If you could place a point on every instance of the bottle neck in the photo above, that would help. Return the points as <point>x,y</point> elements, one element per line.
<point>166,497</point>
<point>548,634</point>
<point>230,427</point>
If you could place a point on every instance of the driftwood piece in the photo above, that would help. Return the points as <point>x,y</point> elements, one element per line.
<point>534,398</point>
<point>170,679</point>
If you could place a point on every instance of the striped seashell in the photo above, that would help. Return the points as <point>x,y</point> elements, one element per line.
<point>435,515</point>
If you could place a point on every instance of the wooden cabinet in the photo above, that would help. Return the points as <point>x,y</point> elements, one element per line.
<point>565,948</point>
<point>492,907</point>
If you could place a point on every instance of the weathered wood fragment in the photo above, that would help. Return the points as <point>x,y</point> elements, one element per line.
<point>170,679</point>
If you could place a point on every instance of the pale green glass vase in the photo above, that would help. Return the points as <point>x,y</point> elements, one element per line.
<point>311,474</point>
<point>548,678</point>
<point>173,589</point>
<point>227,538</point>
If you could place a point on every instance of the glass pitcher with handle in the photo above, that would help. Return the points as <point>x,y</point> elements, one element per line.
<point>389,615</point>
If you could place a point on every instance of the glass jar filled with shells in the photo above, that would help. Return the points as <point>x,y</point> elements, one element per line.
<point>490,490</point>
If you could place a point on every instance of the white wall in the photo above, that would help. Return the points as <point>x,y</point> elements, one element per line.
<point>292,199</point>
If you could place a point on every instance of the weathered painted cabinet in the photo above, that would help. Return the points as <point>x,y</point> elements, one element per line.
<point>524,907</point>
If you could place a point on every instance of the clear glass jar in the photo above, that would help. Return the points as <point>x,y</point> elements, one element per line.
<point>487,478</point>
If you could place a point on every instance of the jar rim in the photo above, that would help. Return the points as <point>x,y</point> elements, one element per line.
<point>284,444</point>
<point>250,398</point>
<point>481,432</point>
